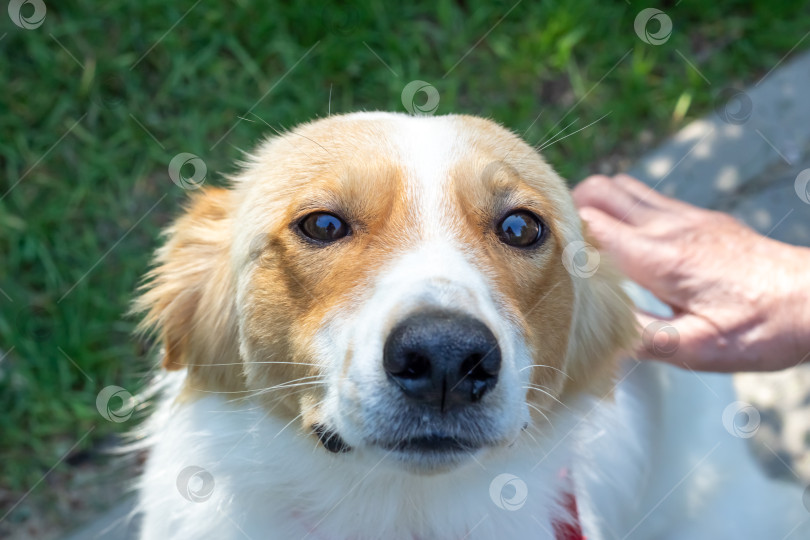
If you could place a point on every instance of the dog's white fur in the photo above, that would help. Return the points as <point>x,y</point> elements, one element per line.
<point>653,460</point>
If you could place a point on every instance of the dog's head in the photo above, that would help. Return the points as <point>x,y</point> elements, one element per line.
<point>404,285</point>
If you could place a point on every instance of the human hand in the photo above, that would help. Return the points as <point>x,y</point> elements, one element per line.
<point>740,300</point>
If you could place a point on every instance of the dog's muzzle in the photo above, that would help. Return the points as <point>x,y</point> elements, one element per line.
<point>440,366</point>
<point>442,359</point>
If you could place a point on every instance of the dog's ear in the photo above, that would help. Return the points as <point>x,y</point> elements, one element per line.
<point>603,326</point>
<point>188,297</point>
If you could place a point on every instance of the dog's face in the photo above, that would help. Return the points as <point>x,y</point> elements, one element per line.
<point>398,285</point>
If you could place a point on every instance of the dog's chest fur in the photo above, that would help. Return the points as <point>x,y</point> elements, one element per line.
<point>270,482</point>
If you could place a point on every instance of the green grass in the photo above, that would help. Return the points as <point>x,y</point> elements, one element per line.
<point>78,227</point>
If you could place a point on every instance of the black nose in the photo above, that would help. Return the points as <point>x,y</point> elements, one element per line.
<point>442,358</point>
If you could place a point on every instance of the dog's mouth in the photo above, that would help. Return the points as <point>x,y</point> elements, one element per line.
<point>432,452</point>
<point>422,453</point>
<point>434,443</point>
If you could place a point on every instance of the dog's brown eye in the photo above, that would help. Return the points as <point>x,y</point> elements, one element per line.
<point>323,227</point>
<point>520,228</point>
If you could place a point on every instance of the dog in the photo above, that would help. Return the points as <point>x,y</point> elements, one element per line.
<point>397,327</point>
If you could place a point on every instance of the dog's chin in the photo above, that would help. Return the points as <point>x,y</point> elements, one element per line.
<point>431,454</point>
<point>431,464</point>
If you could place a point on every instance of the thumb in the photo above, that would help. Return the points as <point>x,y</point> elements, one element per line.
<point>683,341</point>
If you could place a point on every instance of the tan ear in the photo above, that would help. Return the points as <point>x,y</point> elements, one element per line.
<point>603,328</point>
<point>188,297</point>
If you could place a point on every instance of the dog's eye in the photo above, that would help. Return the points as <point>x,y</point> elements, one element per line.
<point>323,227</point>
<point>520,228</point>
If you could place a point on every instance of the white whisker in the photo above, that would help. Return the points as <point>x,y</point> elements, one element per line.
<point>252,393</point>
<point>541,412</point>
<point>546,138</point>
<point>288,424</point>
<point>546,145</point>
<point>290,132</point>
<point>549,367</point>
<point>286,386</point>
<point>276,400</point>
<point>527,432</point>
<point>546,392</point>
<point>246,363</point>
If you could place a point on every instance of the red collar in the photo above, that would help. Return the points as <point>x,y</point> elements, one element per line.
<point>570,530</point>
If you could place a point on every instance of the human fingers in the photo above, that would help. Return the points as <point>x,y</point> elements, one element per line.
<point>613,199</point>
<point>647,194</point>
<point>687,341</point>
<point>634,253</point>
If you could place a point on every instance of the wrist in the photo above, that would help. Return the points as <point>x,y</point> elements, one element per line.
<point>797,300</point>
